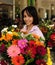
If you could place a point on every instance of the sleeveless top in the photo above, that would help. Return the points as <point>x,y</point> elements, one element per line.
<point>35,29</point>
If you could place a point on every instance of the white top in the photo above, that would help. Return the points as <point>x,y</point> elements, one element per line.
<point>35,29</point>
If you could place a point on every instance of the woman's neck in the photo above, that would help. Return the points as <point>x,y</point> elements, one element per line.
<point>29,27</point>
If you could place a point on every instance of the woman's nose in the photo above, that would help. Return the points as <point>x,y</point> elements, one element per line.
<point>27,18</point>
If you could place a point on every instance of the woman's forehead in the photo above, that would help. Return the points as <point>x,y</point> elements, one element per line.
<point>27,12</point>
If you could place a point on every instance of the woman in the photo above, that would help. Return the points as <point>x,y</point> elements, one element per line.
<point>30,19</point>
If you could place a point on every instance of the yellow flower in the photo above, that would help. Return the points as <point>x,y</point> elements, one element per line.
<point>12,30</point>
<point>49,61</point>
<point>1,38</point>
<point>15,33</point>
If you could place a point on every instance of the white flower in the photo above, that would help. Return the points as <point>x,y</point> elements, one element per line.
<point>15,26</point>
<point>9,32</point>
<point>22,34</point>
<point>4,30</point>
<point>50,26</point>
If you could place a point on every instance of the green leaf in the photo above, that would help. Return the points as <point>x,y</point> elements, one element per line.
<point>29,61</point>
<point>30,37</point>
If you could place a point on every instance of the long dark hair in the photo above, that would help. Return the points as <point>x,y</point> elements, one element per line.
<point>31,11</point>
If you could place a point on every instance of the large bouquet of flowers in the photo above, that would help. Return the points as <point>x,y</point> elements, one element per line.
<point>19,49</point>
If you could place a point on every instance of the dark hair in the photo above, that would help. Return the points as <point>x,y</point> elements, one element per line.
<point>31,11</point>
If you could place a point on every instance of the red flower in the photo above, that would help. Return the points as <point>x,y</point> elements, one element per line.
<point>49,44</point>
<point>2,62</point>
<point>41,50</point>
<point>52,36</point>
<point>18,60</point>
<point>14,42</point>
<point>40,62</point>
<point>32,43</point>
<point>31,51</point>
<point>2,48</point>
<point>24,50</point>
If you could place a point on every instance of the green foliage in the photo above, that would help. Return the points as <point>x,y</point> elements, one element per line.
<point>31,2</point>
<point>30,37</point>
<point>17,37</point>
<point>29,61</point>
<point>45,23</point>
<point>5,57</point>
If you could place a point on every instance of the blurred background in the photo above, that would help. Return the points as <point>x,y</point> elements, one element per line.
<point>45,8</point>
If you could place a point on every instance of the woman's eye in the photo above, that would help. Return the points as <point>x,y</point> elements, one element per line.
<point>24,16</point>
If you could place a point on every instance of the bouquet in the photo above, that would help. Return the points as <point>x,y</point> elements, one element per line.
<point>19,49</point>
<point>47,28</point>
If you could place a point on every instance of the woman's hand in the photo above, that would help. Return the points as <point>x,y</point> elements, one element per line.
<point>24,31</point>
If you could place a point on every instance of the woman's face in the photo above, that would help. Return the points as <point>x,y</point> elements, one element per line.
<point>28,19</point>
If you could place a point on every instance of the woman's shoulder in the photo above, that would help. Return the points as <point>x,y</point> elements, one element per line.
<point>35,27</point>
<point>24,28</point>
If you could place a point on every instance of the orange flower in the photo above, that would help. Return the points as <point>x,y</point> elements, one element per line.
<point>39,43</point>
<point>36,36</point>
<point>18,60</point>
<point>1,38</point>
<point>14,42</point>
<point>8,37</point>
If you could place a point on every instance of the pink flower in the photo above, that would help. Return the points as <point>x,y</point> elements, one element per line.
<point>13,50</point>
<point>22,43</point>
